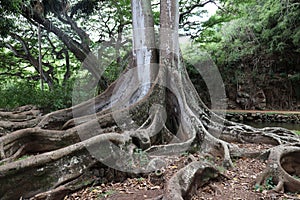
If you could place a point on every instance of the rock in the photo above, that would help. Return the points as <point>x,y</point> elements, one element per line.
<point>264,117</point>
<point>241,118</point>
<point>250,118</point>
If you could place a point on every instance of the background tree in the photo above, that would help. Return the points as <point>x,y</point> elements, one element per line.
<point>259,44</point>
<point>65,44</point>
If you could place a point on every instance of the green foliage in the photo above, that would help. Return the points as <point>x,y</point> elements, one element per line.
<point>258,188</point>
<point>23,157</point>
<point>257,37</point>
<point>11,5</point>
<point>141,157</point>
<point>294,77</point>
<point>85,7</point>
<point>4,24</point>
<point>269,185</point>
<point>23,93</point>
<point>271,23</point>
<point>297,132</point>
<point>6,9</point>
<point>140,179</point>
<point>106,194</point>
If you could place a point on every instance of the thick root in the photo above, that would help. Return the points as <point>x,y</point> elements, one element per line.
<point>58,148</point>
<point>187,180</point>
<point>283,169</point>
<point>52,169</point>
<point>20,113</point>
<point>20,118</point>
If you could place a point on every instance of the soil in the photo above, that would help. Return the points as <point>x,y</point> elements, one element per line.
<point>285,112</point>
<point>237,183</point>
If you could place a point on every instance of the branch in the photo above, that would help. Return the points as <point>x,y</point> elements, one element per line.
<point>49,26</point>
<point>191,8</point>
<point>24,45</point>
<point>85,39</point>
<point>15,51</point>
<point>28,56</point>
<point>221,8</point>
<point>79,50</point>
<point>68,72</point>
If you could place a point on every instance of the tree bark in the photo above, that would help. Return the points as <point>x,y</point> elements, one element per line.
<point>127,132</point>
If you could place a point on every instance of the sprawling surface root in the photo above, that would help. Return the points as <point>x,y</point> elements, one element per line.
<point>54,157</point>
<point>19,118</point>
<point>21,113</point>
<point>187,180</point>
<point>283,169</point>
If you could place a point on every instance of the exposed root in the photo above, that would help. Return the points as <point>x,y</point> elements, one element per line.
<point>64,144</point>
<point>20,118</point>
<point>283,169</point>
<point>234,132</point>
<point>187,180</point>
<point>20,113</point>
<point>34,140</point>
<point>12,126</point>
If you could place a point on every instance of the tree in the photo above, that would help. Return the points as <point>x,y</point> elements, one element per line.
<point>152,111</point>
<point>258,43</point>
<point>63,35</point>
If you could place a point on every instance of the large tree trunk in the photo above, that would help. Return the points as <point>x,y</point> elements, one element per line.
<point>153,109</point>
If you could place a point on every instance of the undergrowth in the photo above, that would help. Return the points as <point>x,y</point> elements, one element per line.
<point>24,93</point>
<point>297,132</point>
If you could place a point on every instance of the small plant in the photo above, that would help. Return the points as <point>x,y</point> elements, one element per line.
<point>297,132</point>
<point>140,179</point>
<point>23,157</point>
<point>269,183</point>
<point>86,183</point>
<point>141,156</point>
<point>221,169</point>
<point>296,177</point>
<point>258,188</point>
<point>91,189</point>
<point>185,154</point>
<point>210,159</point>
<point>106,194</point>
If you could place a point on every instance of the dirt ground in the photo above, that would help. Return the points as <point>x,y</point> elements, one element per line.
<point>236,184</point>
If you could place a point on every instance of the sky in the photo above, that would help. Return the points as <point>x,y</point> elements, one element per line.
<point>211,10</point>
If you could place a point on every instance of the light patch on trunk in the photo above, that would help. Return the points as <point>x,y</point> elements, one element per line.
<point>169,2</point>
<point>141,53</point>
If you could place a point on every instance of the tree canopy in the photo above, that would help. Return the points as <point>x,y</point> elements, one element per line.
<point>258,41</point>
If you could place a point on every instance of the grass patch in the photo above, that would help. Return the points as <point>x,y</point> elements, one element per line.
<point>23,157</point>
<point>106,194</point>
<point>297,132</point>
<point>269,185</point>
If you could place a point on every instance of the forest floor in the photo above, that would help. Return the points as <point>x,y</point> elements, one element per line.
<point>284,112</point>
<point>237,183</point>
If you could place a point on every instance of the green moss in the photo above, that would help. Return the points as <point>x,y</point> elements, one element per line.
<point>106,194</point>
<point>23,157</point>
<point>140,179</point>
<point>296,177</point>
<point>297,132</point>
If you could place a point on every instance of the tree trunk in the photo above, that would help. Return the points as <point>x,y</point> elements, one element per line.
<point>134,127</point>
